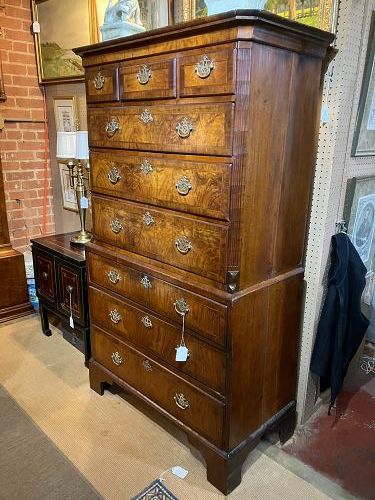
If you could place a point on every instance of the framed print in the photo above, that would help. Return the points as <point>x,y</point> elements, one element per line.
<point>58,27</point>
<point>66,115</point>
<point>359,212</point>
<point>68,193</point>
<point>364,134</point>
<point>117,18</point>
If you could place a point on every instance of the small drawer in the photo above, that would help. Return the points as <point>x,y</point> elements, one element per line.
<point>205,363</point>
<point>205,316</point>
<point>148,80</point>
<point>70,293</point>
<point>102,84</point>
<point>183,241</point>
<point>179,398</point>
<point>198,128</point>
<point>208,73</point>
<point>45,275</point>
<point>200,188</point>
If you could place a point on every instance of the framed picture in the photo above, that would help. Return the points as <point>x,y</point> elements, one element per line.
<point>58,27</point>
<point>68,193</point>
<point>136,16</point>
<point>66,115</point>
<point>318,13</point>
<point>359,212</point>
<point>364,134</point>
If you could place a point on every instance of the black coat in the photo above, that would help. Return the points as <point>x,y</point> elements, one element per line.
<point>342,325</point>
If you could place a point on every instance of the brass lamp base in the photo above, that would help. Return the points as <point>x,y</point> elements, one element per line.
<point>80,239</point>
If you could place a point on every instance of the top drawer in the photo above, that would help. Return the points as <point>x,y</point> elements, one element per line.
<point>148,80</point>
<point>102,84</point>
<point>209,72</point>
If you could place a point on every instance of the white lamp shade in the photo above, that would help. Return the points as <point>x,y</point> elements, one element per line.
<point>66,145</point>
<point>82,146</point>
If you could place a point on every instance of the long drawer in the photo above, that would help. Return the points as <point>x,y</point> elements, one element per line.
<point>203,315</point>
<point>185,242</point>
<point>190,128</point>
<point>181,399</point>
<point>204,363</point>
<point>196,187</point>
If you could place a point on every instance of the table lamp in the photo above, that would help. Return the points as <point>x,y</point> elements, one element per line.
<point>74,146</point>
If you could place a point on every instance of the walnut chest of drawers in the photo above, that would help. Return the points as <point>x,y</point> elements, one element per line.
<point>202,142</point>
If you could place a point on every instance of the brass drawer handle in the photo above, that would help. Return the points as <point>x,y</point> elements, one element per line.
<point>44,275</point>
<point>114,174</point>
<point>181,306</point>
<point>146,117</point>
<point>147,365</point>
<point>116,225</point>
<point>184,128</point>
<point>113,276</point>
<point>144,74</point>
<point>99,81</point>
<point>146,167</point>
<point>181,401</point>
<point>204,67</point>
<point>112,127</point>
<point>116,358</point>
<point>115,316</point>
<point>183,245</point>
<point>145,282</point>
<point>146,322</point>
<point>183,186</point>
<point>148,219</point>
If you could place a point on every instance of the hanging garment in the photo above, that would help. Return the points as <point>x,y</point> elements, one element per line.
<point>342,325</point>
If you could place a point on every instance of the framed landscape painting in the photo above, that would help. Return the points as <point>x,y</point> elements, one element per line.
<point>62,25</point>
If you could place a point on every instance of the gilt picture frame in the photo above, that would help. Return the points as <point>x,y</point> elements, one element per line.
<point>58,27</point>
<point>364,134</point>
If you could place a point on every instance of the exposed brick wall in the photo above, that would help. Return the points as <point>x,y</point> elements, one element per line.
<point>22,141</point>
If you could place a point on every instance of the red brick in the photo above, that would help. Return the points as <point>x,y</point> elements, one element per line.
<point>20,46</point>
<point>11,23</point>
<point>20,175</point>
<point>17,91</point>
<point>21,58</point>
<point>11,34</point>
<point>18,13</point>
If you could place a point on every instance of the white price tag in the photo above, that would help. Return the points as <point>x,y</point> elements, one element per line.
<point>84,202</point>
<point>182,353</point>
<point>36,27</point>
<point>71,321</point>
<point>179,471</point>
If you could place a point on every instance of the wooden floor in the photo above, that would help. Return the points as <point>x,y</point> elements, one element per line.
<point>118,448</point>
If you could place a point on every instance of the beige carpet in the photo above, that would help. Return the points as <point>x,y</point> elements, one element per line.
<point>111,442</point>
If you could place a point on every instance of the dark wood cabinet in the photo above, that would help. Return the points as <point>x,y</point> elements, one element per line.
<point>60,278</point>
<point>202,163</point>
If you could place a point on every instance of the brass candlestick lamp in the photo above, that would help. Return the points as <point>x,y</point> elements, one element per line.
<point>74,146</point>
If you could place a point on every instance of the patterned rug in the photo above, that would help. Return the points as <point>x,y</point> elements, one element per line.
<point>156,491</point>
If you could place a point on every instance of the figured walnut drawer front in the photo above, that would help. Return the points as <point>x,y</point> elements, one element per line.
<point>191,406</point>
<point>148,80</point>
<point>102,84</point>
<point>205,363</point>
<point>198,128</point>
<point>208,72</point>
<point>70,293</point>
<point>183,241</point>
<point>45,275</point>
<point>188,186</point>
<point>204,316</point>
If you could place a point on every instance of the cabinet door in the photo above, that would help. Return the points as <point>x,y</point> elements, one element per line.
<point>45,275</point>
<point>70,291</point>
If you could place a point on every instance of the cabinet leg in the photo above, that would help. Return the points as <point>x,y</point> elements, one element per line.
<point>287,426</point>
<point>44,320</point>
<point>98,380</point>
<point>223,471</point>
<point>86,339</point>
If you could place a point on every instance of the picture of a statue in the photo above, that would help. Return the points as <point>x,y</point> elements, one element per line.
<point>121,18</point>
